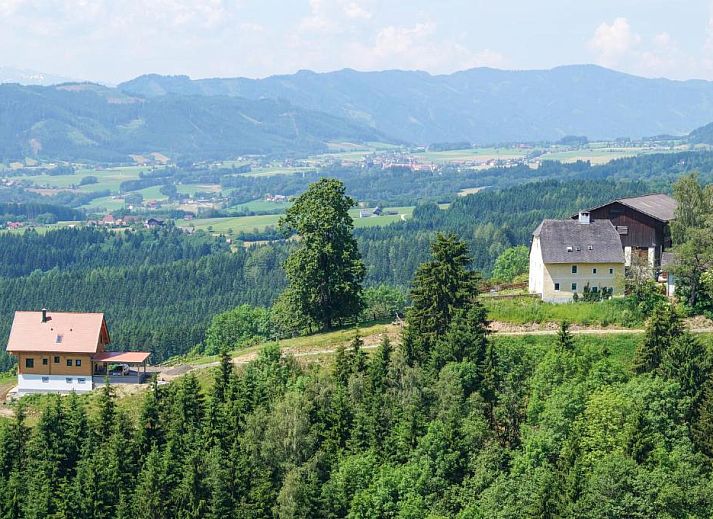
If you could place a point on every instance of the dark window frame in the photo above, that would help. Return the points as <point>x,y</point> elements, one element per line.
<point>69,363</point>
<point>78,362</point>
<point>574,269</point>
<point>29,362</point>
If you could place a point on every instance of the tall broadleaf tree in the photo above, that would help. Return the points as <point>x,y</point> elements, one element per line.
<point>325,272</point>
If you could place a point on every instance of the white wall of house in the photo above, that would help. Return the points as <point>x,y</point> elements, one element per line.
<point>599,275</point>
<point>537,268</point>
<point>27,384</point>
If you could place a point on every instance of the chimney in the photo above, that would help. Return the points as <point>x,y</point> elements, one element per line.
<point>44,315</point>
<point>584,217</point>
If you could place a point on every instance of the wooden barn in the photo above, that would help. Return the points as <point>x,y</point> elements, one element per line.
<point>643,225</point>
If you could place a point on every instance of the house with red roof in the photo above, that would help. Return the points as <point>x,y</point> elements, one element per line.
<point>60,352</point>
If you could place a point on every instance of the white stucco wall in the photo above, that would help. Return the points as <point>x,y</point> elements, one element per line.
<point>537,268</point>
<point>562,273</point>
<point>27,384</point>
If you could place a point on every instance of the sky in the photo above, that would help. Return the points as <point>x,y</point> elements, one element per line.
<point>115,40</point>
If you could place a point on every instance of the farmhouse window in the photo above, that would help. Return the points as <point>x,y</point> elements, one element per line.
<point>574,269</point>
<point>574,287</point>
<point>557,287</point>
<point>56,359</point>
<point>29,363</point>
<point>45,362</point>
<point>69,363</point>
<point>611,271</point>
<point>78,362</point>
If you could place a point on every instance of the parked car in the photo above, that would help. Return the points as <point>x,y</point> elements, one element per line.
<point>120,369</point>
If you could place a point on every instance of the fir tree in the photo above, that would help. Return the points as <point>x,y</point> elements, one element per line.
<point>565,340</point>
<point>661,329</point>
<point>147,500</point>
<point>702,427</point>
<point>441,286</point>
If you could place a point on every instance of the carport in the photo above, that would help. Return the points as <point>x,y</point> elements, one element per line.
<point>136,360</point>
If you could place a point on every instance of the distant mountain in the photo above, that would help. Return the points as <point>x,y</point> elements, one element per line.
<point>481,105</point>
<point>30,77</point>
<point>84,121</point>
<point>702,135</point>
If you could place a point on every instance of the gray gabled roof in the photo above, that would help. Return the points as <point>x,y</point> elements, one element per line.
<point>658,205</point>
<point>568,241</point>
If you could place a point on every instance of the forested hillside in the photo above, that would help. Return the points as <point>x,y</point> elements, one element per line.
<point>480,105</point>
<point>158,289</point>
<point>94,123</point>
<point>451,423</point>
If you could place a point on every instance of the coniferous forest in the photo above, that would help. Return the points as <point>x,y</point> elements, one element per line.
<point>451,422</point>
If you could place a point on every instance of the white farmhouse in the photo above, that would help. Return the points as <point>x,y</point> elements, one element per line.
<point>567,255</point>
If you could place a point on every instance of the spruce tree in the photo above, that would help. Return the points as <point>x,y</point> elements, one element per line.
<point>702,426</point>
<point>357,356</point>
<point>661,329</point>
<point>440,288</point>
<point>565,340</point>
<point>465,339</point>
<point>147,501</point>
<point>150,431</point>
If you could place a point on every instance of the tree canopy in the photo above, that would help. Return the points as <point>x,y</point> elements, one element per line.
<point>325,272</point>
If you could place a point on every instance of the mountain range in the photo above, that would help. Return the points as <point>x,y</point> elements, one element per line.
<point>480,105</point>
<point>301,113</point>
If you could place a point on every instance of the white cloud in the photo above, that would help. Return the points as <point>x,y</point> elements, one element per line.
<point>393,40</point>
<point>618,45</point>
<point>355,11</point>
<point>612,42</point>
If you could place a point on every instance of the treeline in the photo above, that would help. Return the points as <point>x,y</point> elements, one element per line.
<point>450,423</point>
<point>90,247</point>
<point>33,210</point>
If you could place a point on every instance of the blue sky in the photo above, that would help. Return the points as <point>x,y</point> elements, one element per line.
<point>115,40</point>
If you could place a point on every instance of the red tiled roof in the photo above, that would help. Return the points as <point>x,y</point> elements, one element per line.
<point>67,332</point>
<point>127,357</point>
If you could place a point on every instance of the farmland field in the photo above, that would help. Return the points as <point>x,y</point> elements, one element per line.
<point>106,179</point>
<point>271,172</point>
<point>237,224</point>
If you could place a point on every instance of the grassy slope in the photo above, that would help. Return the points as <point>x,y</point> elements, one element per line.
<point>525,310</point>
